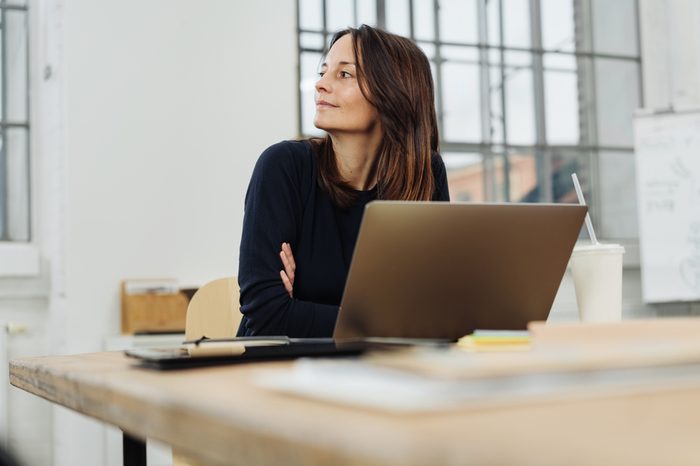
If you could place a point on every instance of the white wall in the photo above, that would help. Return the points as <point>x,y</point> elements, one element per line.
<point>167,106</point>
<point>670,42</point>
<point>151,120</point>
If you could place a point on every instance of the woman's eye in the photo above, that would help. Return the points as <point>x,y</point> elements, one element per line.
<point>321,73</point>
<point>345,74</point>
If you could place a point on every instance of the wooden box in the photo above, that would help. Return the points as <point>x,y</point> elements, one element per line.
<point>152,306</point>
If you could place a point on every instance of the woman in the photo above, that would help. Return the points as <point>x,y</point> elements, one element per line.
<point>375,100</point>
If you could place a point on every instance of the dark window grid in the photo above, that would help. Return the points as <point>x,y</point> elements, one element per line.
<point>4,124</point>
<point>506,48</point>
<point>503,107</point>
<point>11,6</point>
<point>541,149</point>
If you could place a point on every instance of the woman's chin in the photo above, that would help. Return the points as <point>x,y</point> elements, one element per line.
<point>321,126</point>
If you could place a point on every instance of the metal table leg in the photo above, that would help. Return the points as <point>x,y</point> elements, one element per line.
<point>134,450</point>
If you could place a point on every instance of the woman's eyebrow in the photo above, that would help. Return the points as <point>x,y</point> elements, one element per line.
<point>340,63</point>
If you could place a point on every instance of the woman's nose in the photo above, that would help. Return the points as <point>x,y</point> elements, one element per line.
<point>322,84</point>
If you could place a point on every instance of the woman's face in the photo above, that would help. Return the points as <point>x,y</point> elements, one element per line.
<point>340,105</point>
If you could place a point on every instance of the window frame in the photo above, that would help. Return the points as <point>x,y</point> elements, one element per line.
<point>7,220</point>
<point>21,269</point>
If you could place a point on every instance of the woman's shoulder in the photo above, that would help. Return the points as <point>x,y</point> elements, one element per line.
<point>287,153</point>
<point>437,162</point>
<point>440,176</point>
<point>286,162</point>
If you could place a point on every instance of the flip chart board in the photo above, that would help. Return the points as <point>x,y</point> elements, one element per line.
<point>667,151</point>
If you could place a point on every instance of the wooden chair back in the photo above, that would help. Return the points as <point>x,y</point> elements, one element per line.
<point>214,311</point>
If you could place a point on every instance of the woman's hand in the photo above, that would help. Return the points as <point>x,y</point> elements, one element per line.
<point>290,267</point>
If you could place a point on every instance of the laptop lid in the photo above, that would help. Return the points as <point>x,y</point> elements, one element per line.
<point>441,270</point>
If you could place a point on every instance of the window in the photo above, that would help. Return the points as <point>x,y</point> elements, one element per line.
<point>14,122</point>
<point>527,92</point>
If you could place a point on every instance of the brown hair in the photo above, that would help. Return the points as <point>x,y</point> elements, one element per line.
<point>394,76</point>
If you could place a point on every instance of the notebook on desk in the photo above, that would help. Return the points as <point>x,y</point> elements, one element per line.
<point>425,271</point>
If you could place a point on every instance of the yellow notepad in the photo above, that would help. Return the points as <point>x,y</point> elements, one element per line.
<point>495,340</point>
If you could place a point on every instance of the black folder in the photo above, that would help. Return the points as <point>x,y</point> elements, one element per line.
<point>208,352</point>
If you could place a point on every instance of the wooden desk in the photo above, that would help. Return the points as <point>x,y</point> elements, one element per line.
<point>218,416</point>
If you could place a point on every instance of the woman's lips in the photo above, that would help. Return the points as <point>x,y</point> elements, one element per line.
<point>324,104</point>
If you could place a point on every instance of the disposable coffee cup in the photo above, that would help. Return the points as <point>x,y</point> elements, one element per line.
<point>597,273</point>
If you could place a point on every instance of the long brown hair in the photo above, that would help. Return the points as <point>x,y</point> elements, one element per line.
<point>394,76</point>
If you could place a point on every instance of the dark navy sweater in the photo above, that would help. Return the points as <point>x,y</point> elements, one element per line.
<point>284,203</point>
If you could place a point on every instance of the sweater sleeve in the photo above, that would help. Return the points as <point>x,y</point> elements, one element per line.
<point>273,214</point>
<point>442,192</point>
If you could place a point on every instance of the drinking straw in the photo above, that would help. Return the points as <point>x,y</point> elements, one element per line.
<point>582,201</point>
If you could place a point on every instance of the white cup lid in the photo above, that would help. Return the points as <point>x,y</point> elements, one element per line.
<point>599,248</point>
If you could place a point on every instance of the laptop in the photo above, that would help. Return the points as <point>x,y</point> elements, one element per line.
<point>426,272</point>
<point>430,270</point>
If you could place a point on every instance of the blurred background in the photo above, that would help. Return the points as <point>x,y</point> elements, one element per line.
<point>129,129</point>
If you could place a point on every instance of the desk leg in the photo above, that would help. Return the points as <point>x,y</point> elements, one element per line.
<point>134,450</point>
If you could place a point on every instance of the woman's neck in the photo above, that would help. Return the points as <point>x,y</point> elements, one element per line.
<point>356,155</point>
